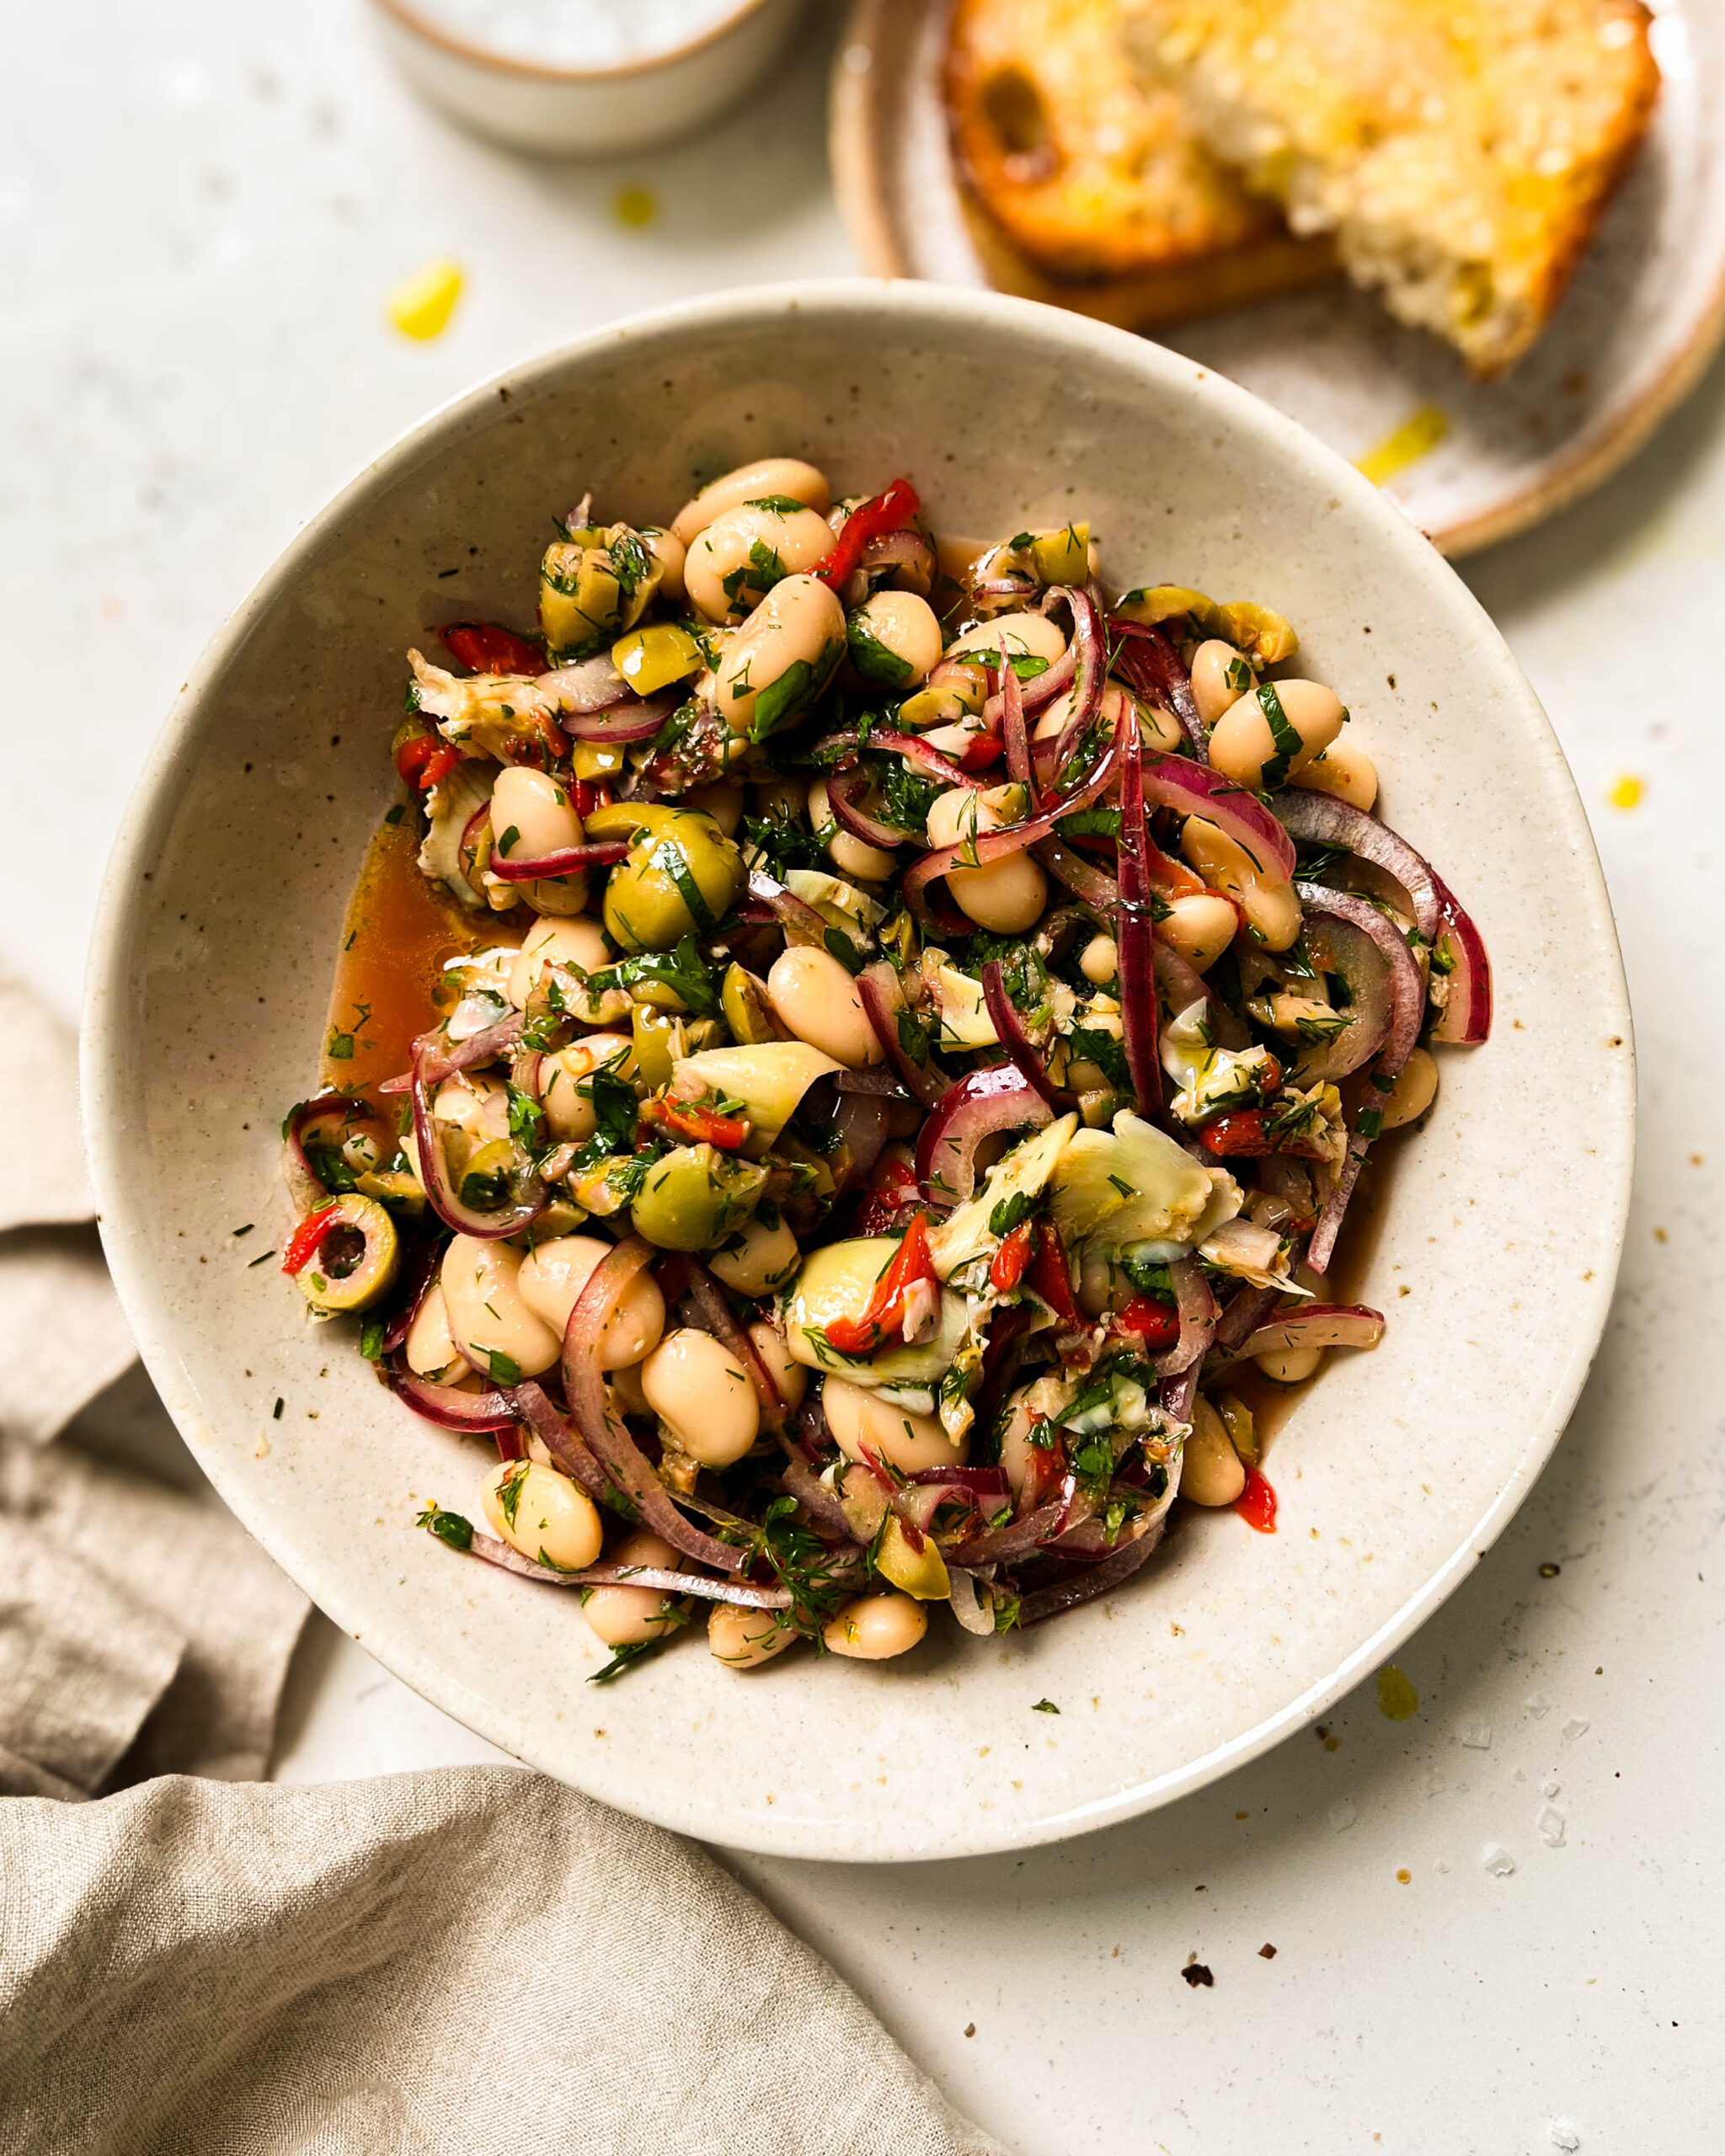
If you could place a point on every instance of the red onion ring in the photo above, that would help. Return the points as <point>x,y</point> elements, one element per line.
<point>446,1198</point>
<point>1182,985</point>
<point>1198,1319</point>
<point>1011,726</point>
<point>1248,1308</point>
<point>1195,790</point>
<point>1395,999</point>
<point>1466,1016</point>
<point>929,762</point>
<point>606,1436</point>
<point>1314,1324</point>
<point>716,1311</point>
<point>561,1440</point>
<point>1009,1031</point>
<point>843,790</point>
<point>472,1413</point>
<point>567,861</point>
<point>1098,1579</point>
<point>304,1185</point>
<point>1095,889</point>
<point>742,1592</point>
<point>443,1057</point>
<point>800,1482</point>
<point>1150,661</point>
<point>1001,1545</point>
<point>1090,678</point>
<point>1321,820</point>
<point>589,684</point>
<point>421,1273</point>
<point>981,1103</point>
<point>883,999</point>
<point>1133,935</point>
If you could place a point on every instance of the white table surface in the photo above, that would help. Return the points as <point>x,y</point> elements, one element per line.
<point>202,205</point>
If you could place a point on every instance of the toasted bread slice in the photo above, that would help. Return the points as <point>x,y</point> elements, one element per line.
<point>1089,177</point>
<point>1462,151</point>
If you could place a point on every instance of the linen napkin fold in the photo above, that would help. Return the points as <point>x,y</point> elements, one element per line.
<point>473,1959</point>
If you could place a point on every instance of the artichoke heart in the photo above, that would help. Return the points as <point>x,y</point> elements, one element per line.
<point>1134,1184</point>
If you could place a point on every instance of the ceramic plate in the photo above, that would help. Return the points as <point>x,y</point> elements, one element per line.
<point>207,1000</point>
<point>1644,316</point>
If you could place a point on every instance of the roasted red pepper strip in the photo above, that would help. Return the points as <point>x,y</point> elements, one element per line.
<point>1048,1276</point>
<point>423,759</point>
<point>701,1126</point>
<point>894,1187</point>
<point>485,648</point>
<point>1007,1268</point>
<point>873,519</point>
<point>590,794</point>
<point>913,1263</point>
<point>1155,1323</point>
<point>1257,1503</point>
<point>303,1246</point>
<point>1244,1137</point>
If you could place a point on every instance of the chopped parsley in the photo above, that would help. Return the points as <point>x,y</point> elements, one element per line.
<point>448,1527</point>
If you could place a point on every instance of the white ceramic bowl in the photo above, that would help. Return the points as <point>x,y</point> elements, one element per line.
<point>588,112</point>
<point>219,928</point>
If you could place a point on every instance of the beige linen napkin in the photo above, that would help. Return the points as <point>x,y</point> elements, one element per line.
<point>472,1961</point>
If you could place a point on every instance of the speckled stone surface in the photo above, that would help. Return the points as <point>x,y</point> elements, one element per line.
<point>196,358</point>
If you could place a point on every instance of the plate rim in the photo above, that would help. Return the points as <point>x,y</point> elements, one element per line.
<point>858,164</point>
<point>104,1114</point>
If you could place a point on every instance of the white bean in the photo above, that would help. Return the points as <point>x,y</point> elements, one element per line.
<point>488,1313</point>
<point>1007,896</point>
<point>1033,635</point>
<point>1272,908</point>
<point>742,1639</point>
<point>552,1277</point>
<point>572,1118</point>
<point>1415,1091</point>
<point>555,943</point>
<point>1243,742</point>
<point>1344,771</point>
<point>1201,927</point>
<point>1219,678</point>
<point>860,1421</point>
<point>474,1104</point>
<point>721,568</point>
<point>791,1378</point>
<point>850,855</point>
<point>817,999</point>
<point>1210,1469</point>
<point>626,1616</point>
<point>430,1347</point>
<point>799,623</point>
<point>786,477</point>
<point>543,1514</point>
<point>907,627</point>
<point>1020,1461</point>
<point>875,1627</point>
<point>703,1395</point>
<point>671,553</point>
<point>756,1259</point>
<point>1100,962</point>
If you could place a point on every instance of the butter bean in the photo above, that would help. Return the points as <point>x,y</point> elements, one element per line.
<point>816,997</point>
<point>551,1280</point>
<point>746,552</point>
<point>743,1638</point>
<point>1244,743</point>
<point>1415,1091</point>
<point>1211,1472</point>
<point>488,1313</point>
<point>786,477</point>
<point>704,1396</point>
<point>875,1627</point>
<point>543,1514</point>
<point>799,623</point>
<point>562,1074</point>
<point>628,1616</point>
<point>1344,771</point>
<point>860,1421</point>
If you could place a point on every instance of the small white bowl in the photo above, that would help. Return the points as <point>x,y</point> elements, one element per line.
<point>565,112</point>
<point>209,990</point>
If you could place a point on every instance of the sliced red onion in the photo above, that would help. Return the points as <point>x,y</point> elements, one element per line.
<point>1150,661</point>
<point>801,923</point>
<point>589,684</point>
<point>929,762</point>
<point>427,1255</point>
<point>473,1413</point>
<point>1313,1325</point>
<point>1009,1030</point>
<point>604,1432</point>
<point>1248,1308</point>
<point>1009,1331</point>
<point>716,1310</point>
<point>1012,727</point>
<point>1089,678</point>
<point>304,1185</point>
<point>862,1121</point>
<point>987,846</point>
<point>883,1001</point>
<point>969,1604</point>
<point>1321,820</point>
<point>997,588</point>
<point>981,1103</point>
<point>1197,1307</point>
<point>844,791</point>
<point>1388,993</point>
<point>441,1058</point>
<point>637,719</point>
<point>1133,935</point>
<point>1195,790</point>
<point>1179,1393</point>
<point>800,1480</point>
<point>446,1199</point>
<point>1182,986</point>
<point>1466,1016</point>
<point>1000,1545</point>
<point>1097,890</point>
<point>1095,1580</point>
<point>742,1592</point>
<point>567,861</point>
<point>561,1439</point>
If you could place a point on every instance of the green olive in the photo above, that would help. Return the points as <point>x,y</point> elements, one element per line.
<point>655,1048</point>
<point>696,1197</point>
<point>1062,557</point>
<point>354,1263</point>
<point>594,585</point>
<point>598,759</point>
<point>743,1000</point>
<point>679,879</point>
<point>651,659</point>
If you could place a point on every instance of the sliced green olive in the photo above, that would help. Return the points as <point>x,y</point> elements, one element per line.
<point>743,1000</point>
<point>354,1263</point>
<point>1062,557</point>
<point>599,759</point>
<point>694,1197</point>
<point>651,659</point>
<point>679,879</point>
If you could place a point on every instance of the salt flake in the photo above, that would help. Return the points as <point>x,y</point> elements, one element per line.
<point>1550,1822</point>
<point>1476,1732</point>
<point>1564,2134</point>
<point>1537,1703</point>
<point>1550,1786</point>
<point>1342,1814</point>
<point>1577,1726</point>
<point>1497,1859</point>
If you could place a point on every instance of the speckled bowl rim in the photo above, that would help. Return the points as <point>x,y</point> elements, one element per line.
<point>108,994</point>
